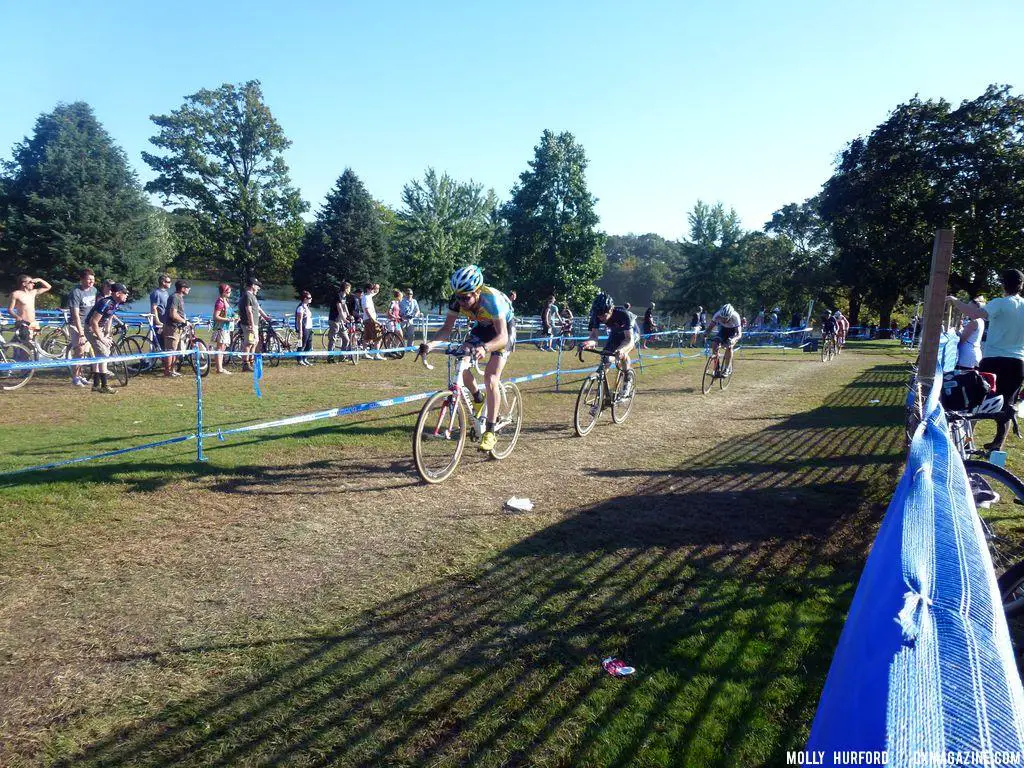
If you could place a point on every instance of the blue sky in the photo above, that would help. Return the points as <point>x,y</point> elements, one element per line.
<point>737,101</point>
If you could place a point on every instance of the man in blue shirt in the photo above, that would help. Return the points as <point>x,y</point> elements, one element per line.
<point>158,305</point>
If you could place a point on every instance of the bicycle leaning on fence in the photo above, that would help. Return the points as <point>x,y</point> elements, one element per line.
<point>597,393</point>
<point>450,416</point>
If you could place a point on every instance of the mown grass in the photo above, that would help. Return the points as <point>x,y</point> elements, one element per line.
<point>718,556</point>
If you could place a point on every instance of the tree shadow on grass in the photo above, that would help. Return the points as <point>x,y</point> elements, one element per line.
<point>724,583</point>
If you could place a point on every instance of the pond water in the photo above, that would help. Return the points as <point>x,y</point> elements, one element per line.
<point>276,300</point>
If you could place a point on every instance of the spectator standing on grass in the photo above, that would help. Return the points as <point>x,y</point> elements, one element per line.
<point>649,326</point>
<point>395,312</point>
<point>304,325</point>
<point>410,310</point>
<point>371,328</point>
<point>356,307</point>
<point>80,304</point>
<point>222,325</point>
<point>338,317</point>
<point>158,299</point>
<point>23,306</point>
<point>174,323</point>
<point>249,315</point>
<point>547,320</point>
<point>1003,350</point>
<point>968,350</point>
<point>97,330</point>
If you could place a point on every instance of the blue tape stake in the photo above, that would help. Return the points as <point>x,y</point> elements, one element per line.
<point>257,374</point>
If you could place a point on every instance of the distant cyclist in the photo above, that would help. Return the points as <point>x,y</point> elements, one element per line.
<point>730,331</point>
<point>493,333</point>
<point>621,324</point>
<point>829,326</point>
<point>844,326</point>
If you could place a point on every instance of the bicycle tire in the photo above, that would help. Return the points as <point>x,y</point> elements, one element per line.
<point>235,349</point>
<point>204,358</point>
<point>588,410</point>
<point>54,342</point>
<point>442,407</point>
<point>510,421</point>
<point>325,338</point>
<point>131,346</point>
<point>393,341</point>
<point>568,345</point>
<point>1010,489</point>
<point>16,352</point>
<point>621,406</point>
<point>710,369</point>
<point>119,368</point>
<point>273,347</point>
<point>725,381</point>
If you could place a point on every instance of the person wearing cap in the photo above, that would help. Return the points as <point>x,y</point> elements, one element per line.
<point>409,309</point>
<point>249,314</point>
<point>175,320</point>
<point>97,330</point>
<point>1003,348</point>
<point>304,325</point>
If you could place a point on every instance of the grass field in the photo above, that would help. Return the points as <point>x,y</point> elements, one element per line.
<point>302,599</point>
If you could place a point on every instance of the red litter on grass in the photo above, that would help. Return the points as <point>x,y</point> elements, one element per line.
<point>616,667</point>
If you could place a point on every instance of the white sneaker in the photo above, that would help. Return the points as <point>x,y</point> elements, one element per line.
<point>226,372</point>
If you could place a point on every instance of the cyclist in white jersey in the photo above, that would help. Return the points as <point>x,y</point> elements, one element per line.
<point>730,331</point>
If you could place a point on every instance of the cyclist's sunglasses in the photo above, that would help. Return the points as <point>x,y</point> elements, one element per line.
<point>464,298</point>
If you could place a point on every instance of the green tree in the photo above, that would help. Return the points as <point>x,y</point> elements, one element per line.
<point>639,268</point>
<point>346,242</point>
<point>443,224</point>
<point>711,272</point>
<point>223,166</point>
<point>70,200</point>
<point>553,245</point>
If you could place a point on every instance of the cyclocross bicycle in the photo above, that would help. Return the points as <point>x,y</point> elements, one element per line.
<point>715,366</point>
<point>597,393</point>
<point>829,347</point>
<point>450,416</point>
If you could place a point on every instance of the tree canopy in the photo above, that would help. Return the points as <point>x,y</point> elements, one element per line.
<point>70,200</point>
<point>222,167</point>
<point>346,242</point>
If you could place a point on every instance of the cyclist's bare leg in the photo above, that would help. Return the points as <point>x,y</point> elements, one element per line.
<point>728,354</point>
<point>492,383</point>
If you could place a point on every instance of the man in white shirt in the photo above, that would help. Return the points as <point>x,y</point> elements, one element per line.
<point>371,328</point>
<point>730,331</point>
<point>1004,346</point>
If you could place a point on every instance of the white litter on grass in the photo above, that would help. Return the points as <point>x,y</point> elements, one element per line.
<point>874,401</point>
<point>519,505</point>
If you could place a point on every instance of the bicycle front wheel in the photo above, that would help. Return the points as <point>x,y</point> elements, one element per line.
<point>440,437</point>
<point>998,495</point>
<point>131,346</point>
<point>710,371</point>
<point>204,358</point>
<point>15,352</point>
<point>589,404</point>
<point>393,341</point>
<point>510,421</point>
<point>119,369</point>
<point>625,393</point>
<point>725,381</point>
<point>54,342</point>
<point>274,347</point>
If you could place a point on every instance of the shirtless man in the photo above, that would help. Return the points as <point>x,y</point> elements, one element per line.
<point>23,306</point>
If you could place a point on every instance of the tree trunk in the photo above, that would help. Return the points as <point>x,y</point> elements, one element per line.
<point>855,302</point>
<point>885,312</point>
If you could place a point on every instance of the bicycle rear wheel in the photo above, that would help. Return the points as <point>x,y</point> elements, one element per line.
<point>204,358</point>
<point>131,346</point>
<point>54,342</point>
<point>16,352</point>
<point>440,437</point>
<point>589,404</point>
<point>275,347</point>
<point>625,393</point>
<point>710,373</point>
<point>119,368</point>
<point>999,496</point>
<point>392,341</point>
<point>510,421</point>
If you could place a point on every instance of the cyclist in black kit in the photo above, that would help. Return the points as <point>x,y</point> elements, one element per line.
<point>622,332</point>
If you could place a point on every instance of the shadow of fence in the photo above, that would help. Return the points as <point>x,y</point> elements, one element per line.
<point>723,581</point>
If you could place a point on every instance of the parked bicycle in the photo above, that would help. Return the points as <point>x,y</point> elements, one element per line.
<point>15,353</point>
<point>597,393</point>
<point>354,332</point>
<point>450,416</point>
<point>188,342</point>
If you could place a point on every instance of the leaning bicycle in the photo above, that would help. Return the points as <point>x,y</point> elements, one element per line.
<point>714,368</point>
<point>597,393</point>
<point>449,417</point>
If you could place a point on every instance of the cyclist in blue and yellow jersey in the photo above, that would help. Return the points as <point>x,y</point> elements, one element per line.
<point>730,331</point>
<point>621,324</point>
<point>494,334</point>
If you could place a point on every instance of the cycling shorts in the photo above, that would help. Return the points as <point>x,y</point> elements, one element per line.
<point>726,334</point>
<point>615,340</point>
<point>482,334</point>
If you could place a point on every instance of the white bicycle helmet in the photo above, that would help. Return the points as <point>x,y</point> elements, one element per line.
<point>989,406</point>
<point>837,314</point>
<point>467,279</point>
<point>726,309</point>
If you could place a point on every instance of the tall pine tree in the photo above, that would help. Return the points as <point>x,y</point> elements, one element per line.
<point>552,243</point>
<point>346,242</point>
<point>70,200</point>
